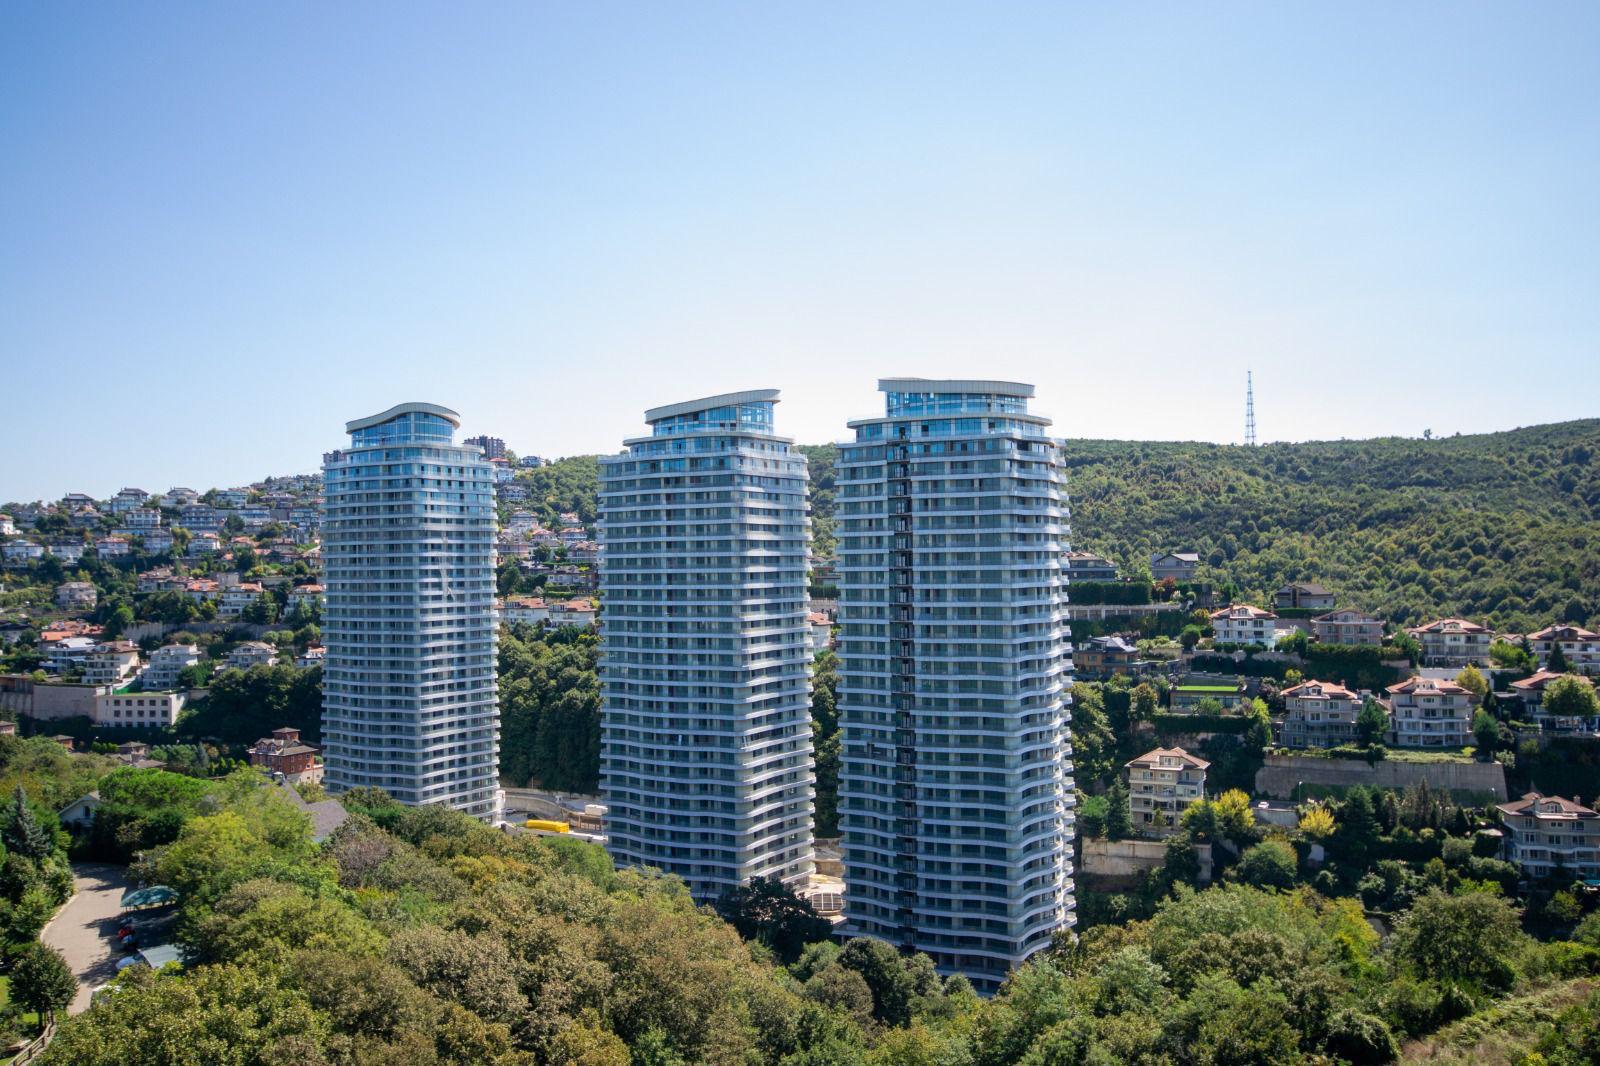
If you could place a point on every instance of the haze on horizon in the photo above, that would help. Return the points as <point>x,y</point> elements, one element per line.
<point>225,233</point>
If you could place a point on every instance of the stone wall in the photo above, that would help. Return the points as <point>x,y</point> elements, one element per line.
<point>1281,773</point>
<point>1127,859</point>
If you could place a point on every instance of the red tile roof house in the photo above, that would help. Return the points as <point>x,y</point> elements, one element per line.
<point>1579,645</point>
<point>1530,690</point>
<point>1425,712</point>
<point>1319,714</point>
<point>1452,642</point>
<point>1161,786</point>
<point>1549,835</point>
<point>1243,624</point>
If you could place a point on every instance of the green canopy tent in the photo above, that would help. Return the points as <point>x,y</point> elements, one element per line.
<point>154,896</point>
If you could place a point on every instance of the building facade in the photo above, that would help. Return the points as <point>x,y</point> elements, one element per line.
<point>1243,624</point>
<point>409,696</point>
<point>955,671</point>
<point>1176,566</point>
<point>1548,835</point>
<point>1579,646</point>
<point>705,755</point>
<point>1087,566</point>
<point>1452,642</point>
<point>137,710</point>
<point>1162,784</point>
<point>1303,595</point>
<point>1348,626</point>
<point>1319,714</point>
<point>166,663</point>
<point>1425,712</point>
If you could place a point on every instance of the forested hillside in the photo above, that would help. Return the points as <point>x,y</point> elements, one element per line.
<point>1503,527</point>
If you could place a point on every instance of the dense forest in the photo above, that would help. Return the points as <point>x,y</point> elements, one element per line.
<point>419,935</point>
<point>550,708</point>
<point>565,485</point>
<point>1503,528</point>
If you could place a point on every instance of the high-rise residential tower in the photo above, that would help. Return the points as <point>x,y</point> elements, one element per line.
<point>705,661</point>
<point>955,670</point>
<point>409,701</point>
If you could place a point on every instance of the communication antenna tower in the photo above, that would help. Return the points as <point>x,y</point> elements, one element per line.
<point>1249,409</point>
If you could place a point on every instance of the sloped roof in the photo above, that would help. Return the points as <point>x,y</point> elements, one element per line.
<point>1530,801</point>
<point>1429,685</point>
<point>1152,759</point>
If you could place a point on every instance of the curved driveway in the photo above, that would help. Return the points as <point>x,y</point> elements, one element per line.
<point>84,928</point>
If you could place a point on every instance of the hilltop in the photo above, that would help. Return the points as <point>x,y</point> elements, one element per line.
<point>1499,527</point>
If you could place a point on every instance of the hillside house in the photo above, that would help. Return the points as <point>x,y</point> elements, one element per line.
<point>1348,626</point>
<point>1580,647</point>
<point>1162,784</point>
<point>1242,623</point>
<point>1104,657</point>
<point>285,753</point>
<point>1426,712</point>
<point>1179,566</point>
<point>1303,595</point>
<point>1087,566</point>
<point>1452,642</point>
<point>1546,835</point>
<point>166,663</point>
<point>1530,692</point>
<point>76,595</point>
<point>1319,714</point>
<point>111,663</point>
<point>252,653</point>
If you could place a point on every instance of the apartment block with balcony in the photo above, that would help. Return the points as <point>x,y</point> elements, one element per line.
<point>955,671</point>
<point>111,663</point>
<point>705,666</point>
<point>166,663</point>
<point>1426,712</point>
<point>410,702</point>
<point>1242,623</point>
<point>1348,626</point>
<point>1549,836</point>
<point>1162,784</point>
<point>1452,642</point>
<point>1319,714</point>
<point>1579,646</point>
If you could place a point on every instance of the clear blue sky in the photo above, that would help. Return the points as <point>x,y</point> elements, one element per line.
<point>226,228</point>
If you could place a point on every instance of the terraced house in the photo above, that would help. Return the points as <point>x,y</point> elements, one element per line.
<point>1162,784</point>
<point>1425,712</point>
<point>1579,646</point>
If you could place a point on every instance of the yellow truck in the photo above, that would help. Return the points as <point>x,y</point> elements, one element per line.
<point>547,826</point>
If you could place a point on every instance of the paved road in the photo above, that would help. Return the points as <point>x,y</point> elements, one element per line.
<point>84,929</point>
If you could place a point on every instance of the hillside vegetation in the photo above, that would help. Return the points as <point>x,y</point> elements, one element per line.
<point>1501,527</point>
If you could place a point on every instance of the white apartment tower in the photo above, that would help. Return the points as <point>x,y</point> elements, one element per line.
<point>409,702</point>
<point>956,780</point>
<point>705,664</point>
